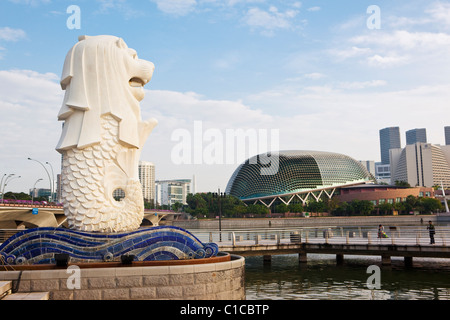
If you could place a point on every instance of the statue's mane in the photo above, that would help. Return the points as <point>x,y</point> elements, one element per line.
<point>95,79</point>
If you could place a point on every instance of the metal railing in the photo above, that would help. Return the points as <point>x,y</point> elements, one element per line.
<point>407,235</point>
<point>5,234</point>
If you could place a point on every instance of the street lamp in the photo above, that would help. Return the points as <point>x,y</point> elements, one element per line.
<point>48,174</point>
<point>1,182</point>
<point>10,177</point>
<point>219,196</point>
<point>34,188</point>
<point>53,179</point>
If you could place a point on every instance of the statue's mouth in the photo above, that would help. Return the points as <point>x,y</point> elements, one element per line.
<point>137,82</point>
<point>137,87</point>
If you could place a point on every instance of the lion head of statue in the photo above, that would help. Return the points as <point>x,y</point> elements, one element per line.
<point>101,76</point>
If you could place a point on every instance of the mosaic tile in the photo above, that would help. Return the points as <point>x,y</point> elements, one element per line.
<point>37,246</point>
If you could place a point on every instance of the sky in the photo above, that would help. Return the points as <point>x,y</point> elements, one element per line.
<point>297,75</point>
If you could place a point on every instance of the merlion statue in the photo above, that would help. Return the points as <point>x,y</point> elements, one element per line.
<point>103,134</point>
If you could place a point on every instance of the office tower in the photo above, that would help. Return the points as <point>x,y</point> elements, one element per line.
<point>389,139</point>
<point>147,179</point>
<point>169,192</point>
<point>421,164</point>
<point>416,135</point>
<point>447,135</point>
<point>369,165</point>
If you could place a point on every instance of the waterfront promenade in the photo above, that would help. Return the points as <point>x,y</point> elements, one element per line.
<point>407,242</point>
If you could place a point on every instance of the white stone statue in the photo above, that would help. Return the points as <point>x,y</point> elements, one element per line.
<point>103,134</point>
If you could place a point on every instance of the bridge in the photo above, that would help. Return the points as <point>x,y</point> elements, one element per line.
<point>16,216</point>
<point>406,242</point>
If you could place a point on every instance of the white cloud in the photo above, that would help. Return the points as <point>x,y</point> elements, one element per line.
<point>405,40</point>
<point>271,20</point>
<point>387,61</point>
<point>316,8</point>
<point>440,13</point>
<point>351,52</point>
<point>343,118</point>
<point>31,2</point>
<point>29,104</point>
<point>176,7</point>
<point>362,84</point>
<point>314,75</point>
<point>9,34</point>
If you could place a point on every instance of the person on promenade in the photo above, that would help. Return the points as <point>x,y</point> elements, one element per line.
<point>432,231</point>
<point>381,233</point>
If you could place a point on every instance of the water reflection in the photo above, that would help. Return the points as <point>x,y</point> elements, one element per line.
<point>322,279</point>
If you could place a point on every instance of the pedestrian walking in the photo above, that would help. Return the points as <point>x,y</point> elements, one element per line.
<point>432,231</point>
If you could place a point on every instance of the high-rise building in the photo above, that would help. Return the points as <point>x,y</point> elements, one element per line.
<point>147,179</point>
<point>416,135</point>
<point>169,192</point>
<point>369,165</point>
<point>447,135</point>
<point>421,164</point>
<point>389,139</point>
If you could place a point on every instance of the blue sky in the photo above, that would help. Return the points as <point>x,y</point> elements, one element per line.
<point>313,70</point>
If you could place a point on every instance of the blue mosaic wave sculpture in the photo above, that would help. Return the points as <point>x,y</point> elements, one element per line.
<point>38,246</point>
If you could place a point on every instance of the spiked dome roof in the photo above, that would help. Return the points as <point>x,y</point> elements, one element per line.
<point>290,172</point>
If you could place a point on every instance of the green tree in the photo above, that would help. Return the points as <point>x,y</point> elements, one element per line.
<point>281,208</point>
<point>431,205</point>
<point>295,207</point>
<point>385,208</point>
<point>316,206</point>
<point>402,184</point>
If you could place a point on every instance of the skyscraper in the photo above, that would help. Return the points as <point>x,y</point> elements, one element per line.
<point>389,139</point>
<point>421,164</point>
<point>416,135</point>
<point>447,135</point>
<point>169,192</point>
<point>147,179</point>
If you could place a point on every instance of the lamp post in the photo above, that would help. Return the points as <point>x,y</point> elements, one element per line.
<point>1,182</point>
<point>34,188</point>
<point>219,197</point>
<point>53,180</point>
<point>10,177</point>
<point>48,174</point>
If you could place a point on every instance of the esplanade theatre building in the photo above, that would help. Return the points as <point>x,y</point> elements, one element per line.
<point>288,176</point>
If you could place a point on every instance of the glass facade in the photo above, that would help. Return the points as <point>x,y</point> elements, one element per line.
<point>389,139</point>
<point>298,172</point>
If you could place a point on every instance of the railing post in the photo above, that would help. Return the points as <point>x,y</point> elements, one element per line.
<point>233,239</point>
<point>369,238</point>
<point>210,237</point>
<point>307,236</point>
<point>347,237</point>
<point>392,238</point>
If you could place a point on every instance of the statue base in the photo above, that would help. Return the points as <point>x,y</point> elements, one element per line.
<point>43,245</point>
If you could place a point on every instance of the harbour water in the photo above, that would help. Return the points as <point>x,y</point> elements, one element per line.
<point>321,279</point>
